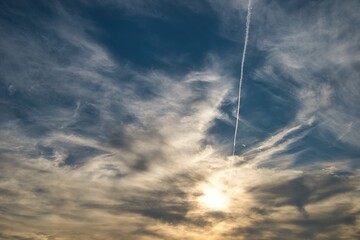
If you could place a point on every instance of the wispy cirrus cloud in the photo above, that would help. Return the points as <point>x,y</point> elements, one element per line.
<point>109,133</point>
<point>94,146</point>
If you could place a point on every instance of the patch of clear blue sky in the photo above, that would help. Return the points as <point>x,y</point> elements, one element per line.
<point>177,41</point>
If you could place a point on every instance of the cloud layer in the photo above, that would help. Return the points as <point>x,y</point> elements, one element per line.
<point>103,139</point>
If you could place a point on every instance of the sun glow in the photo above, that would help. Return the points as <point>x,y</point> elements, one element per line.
<point>214,198</point>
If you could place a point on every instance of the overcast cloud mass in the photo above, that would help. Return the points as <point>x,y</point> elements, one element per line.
<point>117,120</point>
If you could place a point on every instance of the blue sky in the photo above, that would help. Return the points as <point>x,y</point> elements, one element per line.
<point>117,119</point>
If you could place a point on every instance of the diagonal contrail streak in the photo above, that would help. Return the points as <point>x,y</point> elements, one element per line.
<point>242,74</point>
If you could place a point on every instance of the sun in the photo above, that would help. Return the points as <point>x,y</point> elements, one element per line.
<point>214,198</point>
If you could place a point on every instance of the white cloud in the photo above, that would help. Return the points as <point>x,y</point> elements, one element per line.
<point>147,172</point>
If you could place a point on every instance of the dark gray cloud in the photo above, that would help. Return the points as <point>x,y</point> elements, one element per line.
<point>303,190</point>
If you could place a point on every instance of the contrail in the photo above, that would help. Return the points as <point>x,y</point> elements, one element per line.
<point>242,73</point>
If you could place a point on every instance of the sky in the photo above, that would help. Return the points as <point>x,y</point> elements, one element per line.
<point>117,120</point>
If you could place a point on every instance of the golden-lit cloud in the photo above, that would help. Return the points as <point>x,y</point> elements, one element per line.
<point>96,146</point>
